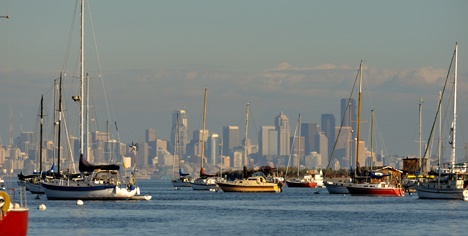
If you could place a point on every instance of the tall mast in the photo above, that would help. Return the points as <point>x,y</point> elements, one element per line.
<point>358,135</point>
<point>420,128</point>
<point>82,80</point>
<point>176,149</point>
<point>203,131</point>
<point>246,132</point>
<point>40,133</point>
<point>372,140</point>
<point>454,124</point>
<point>298,143</point>
<point>59,123</point>
<point>439,153</point>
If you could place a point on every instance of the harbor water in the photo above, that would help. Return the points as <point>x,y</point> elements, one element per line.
<point>295,211</point>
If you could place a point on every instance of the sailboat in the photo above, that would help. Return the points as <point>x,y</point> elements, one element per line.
<point>34,184</point>
<point>258,182</point>
<point>97,182</point>
<point>184,180</point>
<point>382,182</point>
<point>307,181</point>
<point>205,181</point>
<point>453,181</point>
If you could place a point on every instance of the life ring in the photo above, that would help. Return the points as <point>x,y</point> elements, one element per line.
<point>6,201</point>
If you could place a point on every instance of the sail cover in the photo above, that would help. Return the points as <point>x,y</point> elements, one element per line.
<point>85,166</point>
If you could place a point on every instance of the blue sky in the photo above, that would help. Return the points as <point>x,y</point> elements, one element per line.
<point>290,56</point>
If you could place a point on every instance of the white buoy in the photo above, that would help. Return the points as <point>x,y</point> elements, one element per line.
<point>79,202</point>
<point>41,207</point>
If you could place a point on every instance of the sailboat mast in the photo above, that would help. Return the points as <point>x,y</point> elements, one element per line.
<point>82,80</point>
<point>59,124</point>
<point>439,153</point>
<point>203,131</point>
<point>246,132</point>
<point>298,144</point>
<point>40,133</point>
<point>176,146</point>
<point>372,140</point>
<point>420,127</point>
<point>359,118</point>
<point>454,124</point>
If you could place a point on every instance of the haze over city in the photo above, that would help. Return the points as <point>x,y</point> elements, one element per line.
<point>291,57</point>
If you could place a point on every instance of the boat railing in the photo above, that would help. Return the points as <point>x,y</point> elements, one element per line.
<point>18,196</point>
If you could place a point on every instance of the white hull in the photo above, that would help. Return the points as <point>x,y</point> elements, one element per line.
<point>206,187</point>
<point>208,184</point>
<point>425,192</point>
<point>56,191</point>
<point>337,187</point>
<point>34,188</point>
<point>179,183</point>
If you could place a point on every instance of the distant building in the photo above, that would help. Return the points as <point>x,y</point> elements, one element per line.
<point>150,135</point>
<point>179,133</point>
<point>230,139</point>
<point>328,128</point>
<point>213,149</point>
<point>309,131</point>
<point>284,133</point>
<point>321,143</point>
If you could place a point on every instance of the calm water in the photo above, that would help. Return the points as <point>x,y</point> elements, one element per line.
<point>295,211</point>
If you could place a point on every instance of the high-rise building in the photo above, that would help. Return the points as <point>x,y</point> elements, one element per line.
<point>150,135</point>
<point>179,134</point>
<point>321,142</point>
<point>349,114</point>
<point>267,141</point>
<point>328,128</point>
<point>213,149</point>
<point>309,131</point>
<point>230,139</point>
<point>284,133</point>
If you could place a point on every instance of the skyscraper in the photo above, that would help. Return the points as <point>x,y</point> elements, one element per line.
<point>328,128</point>
<point>230,139</point>
<point>284,134</point>
<point>265,140</point>
<point>321,142</point>
<point>179,134</point>
<point>213,149</point>
<point>150,135</point>
<point>309,131</point>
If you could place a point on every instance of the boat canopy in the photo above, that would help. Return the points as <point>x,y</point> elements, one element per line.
<point>182,174</point>
<point>85,166</point>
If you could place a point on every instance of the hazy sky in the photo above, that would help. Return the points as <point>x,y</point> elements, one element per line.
<point>290,56</point>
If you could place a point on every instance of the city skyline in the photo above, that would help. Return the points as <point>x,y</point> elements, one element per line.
<point>280,57</point>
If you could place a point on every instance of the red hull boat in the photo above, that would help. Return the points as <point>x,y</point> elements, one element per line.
<point>299,184</point>
<point>379,190</point>
<point>13,218</point>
